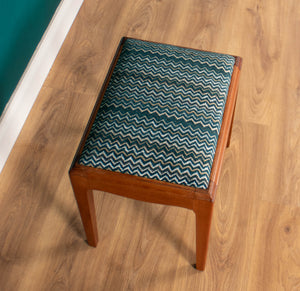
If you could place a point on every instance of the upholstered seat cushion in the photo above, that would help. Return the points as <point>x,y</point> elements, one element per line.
<point>161,114</point>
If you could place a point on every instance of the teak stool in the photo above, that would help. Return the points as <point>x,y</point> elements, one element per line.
<point>158,132</point>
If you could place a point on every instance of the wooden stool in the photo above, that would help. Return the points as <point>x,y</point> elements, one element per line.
<point>158,132</point>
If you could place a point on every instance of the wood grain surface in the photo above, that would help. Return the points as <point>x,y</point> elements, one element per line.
<point>255,233</point>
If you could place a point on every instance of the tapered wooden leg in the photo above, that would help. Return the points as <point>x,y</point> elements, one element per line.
<point>85,202</point>
<point>203,211</point>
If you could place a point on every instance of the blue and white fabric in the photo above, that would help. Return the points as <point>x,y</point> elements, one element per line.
<point>161,114</point>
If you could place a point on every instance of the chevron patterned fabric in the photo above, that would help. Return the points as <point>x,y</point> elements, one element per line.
<point>161,114</point>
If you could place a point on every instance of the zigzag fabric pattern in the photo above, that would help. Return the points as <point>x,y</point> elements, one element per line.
<point>161,114</point>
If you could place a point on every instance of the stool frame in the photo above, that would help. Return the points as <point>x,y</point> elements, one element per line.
<point>86,179</point>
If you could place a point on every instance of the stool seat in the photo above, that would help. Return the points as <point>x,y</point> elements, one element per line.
<point>161,114</point>
<point>158,132</point>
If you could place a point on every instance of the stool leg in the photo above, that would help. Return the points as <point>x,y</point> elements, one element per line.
<point>203,211</point>
<point>85,202</point>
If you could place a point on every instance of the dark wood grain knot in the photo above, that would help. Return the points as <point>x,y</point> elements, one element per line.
<point>287,229</point>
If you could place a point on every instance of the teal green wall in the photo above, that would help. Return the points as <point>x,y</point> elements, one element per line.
<point>22,24</point>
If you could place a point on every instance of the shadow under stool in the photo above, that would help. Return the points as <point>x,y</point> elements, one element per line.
<point>158,132</point>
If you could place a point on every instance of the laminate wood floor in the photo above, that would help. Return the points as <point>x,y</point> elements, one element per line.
<point>255,237</point>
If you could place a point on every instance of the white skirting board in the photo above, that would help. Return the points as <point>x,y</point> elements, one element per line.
<point>27,90</point>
